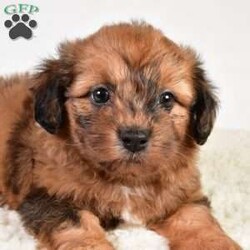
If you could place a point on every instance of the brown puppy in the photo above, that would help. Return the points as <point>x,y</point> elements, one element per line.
<point>108,133</point>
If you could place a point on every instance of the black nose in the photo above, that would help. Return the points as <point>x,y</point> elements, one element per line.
<point>134,140</point>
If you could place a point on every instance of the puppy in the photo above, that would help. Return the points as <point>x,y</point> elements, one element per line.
<point>107,134</point>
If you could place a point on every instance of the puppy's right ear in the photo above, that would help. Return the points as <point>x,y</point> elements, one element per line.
<point>205,107</point>
<point>49,88</point>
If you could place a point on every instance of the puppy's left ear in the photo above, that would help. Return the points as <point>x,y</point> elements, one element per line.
<point>205,107</point>
<point>49,89</point>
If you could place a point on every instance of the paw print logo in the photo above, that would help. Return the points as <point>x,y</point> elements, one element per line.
<point>20,26</point>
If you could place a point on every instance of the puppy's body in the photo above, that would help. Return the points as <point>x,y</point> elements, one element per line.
<point>63,150</point>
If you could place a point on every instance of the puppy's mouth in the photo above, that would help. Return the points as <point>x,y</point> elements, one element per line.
<point>134,158</point>
<point>130,160</point>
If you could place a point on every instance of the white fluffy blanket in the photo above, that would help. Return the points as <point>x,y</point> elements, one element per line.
<point>225,169</point>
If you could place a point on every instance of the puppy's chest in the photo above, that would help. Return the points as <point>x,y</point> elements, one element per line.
<point>137,207</point>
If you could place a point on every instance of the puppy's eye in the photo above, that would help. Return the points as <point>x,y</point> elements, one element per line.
<point>167,100</point>
<point>100,95</point>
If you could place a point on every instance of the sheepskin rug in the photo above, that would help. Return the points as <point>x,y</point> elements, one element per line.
<point>225,170</point>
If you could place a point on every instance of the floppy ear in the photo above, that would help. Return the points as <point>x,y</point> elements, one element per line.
<point>49,89</point>
<point>205,106</point>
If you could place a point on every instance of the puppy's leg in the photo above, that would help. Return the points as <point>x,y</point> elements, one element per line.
<point>193,227</point>
<point>88,236</point>
<point>60,226</point>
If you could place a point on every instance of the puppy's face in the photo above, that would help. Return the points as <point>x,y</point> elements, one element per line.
<point>135,103</point>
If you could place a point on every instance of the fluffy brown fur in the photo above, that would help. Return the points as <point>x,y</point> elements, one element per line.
<point>63,166</point>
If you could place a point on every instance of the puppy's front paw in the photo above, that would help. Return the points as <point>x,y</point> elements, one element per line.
<point>193,243</point>
<point>89,246</point>
<point>89,235</point>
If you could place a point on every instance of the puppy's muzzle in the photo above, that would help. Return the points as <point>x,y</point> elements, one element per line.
<point>134,140</point>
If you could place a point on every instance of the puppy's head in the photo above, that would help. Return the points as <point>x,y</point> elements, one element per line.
<point>135,103</point>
